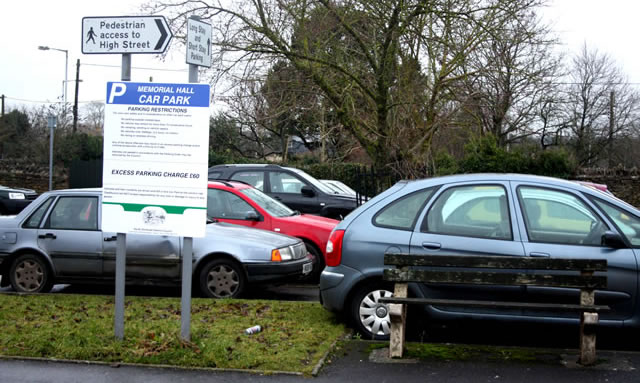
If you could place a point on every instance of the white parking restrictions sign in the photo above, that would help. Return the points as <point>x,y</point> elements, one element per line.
<point>156,141</point>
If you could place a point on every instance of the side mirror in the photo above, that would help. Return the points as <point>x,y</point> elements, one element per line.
<point>252,216</point>
<point>307,191</point>
<point>614,240</point>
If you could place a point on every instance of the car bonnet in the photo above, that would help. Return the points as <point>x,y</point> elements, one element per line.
<point>229,232</point>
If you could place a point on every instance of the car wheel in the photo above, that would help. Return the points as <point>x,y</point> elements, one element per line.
<point>371,319</point>
<point>314,277</point>
<point>30,274</point>
<point>222,278</point>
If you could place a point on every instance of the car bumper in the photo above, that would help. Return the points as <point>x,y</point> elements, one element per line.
<point>335,285</point>
<point>279,271</point>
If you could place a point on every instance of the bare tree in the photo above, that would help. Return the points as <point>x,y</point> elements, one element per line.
<point>515,81</point>
<point>390,69</point>
<point>599,105</point>
<point>94,116</point>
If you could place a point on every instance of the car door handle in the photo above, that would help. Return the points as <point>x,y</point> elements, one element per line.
<point>109,239</point>
<point>48,235</point>
<point>539,255</point>
<point>276,197</point>
<point>431,245</point>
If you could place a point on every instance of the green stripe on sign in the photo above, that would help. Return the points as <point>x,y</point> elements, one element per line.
<point>138,207</point>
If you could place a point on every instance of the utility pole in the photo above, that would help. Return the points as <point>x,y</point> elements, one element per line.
<point>75,102</point>
<point>2,97</point>
<point>612,100</point>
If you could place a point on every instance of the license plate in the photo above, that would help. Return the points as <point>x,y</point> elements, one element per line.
<point>307,267</point>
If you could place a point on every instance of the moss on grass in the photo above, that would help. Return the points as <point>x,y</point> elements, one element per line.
<point>295,334</point>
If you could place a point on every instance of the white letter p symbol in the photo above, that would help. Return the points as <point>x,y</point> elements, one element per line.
<point>117,89</point>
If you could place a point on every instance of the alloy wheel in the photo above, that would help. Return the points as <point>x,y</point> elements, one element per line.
<point>374,316</point>
<point>223,281</point>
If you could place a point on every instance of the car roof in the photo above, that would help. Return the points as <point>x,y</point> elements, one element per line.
<point>497,177</point>
<point>229,183</point>
<point>245,166</point>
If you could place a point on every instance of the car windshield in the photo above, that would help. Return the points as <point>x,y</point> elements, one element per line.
<point>313,181</point>
<point>269,204</point>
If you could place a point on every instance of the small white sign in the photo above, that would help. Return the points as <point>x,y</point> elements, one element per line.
<point>125,34</point>
<point>156,152</point>
<point>198,43</point>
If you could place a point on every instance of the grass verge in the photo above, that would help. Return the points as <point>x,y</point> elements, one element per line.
<point>295,335</point>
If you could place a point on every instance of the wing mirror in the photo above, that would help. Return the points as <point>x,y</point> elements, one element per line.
<point>307,191</point>
<point>614,240</point>
<point>252,216</point>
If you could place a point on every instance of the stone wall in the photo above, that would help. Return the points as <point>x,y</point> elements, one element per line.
<point>624,183</point>
<point>25,174</point>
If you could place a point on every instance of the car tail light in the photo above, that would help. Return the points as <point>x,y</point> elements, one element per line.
<point>334,248</point>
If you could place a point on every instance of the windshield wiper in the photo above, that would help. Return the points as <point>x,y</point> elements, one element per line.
<point>211,220</point>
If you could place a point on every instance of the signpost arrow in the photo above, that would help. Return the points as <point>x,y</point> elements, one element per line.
<point>125,34</point>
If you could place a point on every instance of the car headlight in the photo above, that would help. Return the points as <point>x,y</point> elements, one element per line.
<point>282,254</point>
<point>16,196</point>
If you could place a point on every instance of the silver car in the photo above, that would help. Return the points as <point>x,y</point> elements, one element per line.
<point>483,214</point>
<point>57,239</point>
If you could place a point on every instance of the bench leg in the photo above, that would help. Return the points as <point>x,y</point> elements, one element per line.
<point>398,315</point>
<point>588,321</point>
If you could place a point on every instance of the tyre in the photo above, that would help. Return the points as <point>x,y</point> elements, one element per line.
<point>370,318</point>
<point>222,278</point>
<point>314,277</point>
<point>30,274</point>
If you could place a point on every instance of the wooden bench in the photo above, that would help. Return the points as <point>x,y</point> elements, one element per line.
<point>496,270</point>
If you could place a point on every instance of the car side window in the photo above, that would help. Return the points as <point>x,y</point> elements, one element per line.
<point>224,204</point>
<point>253,178</point>
<point>553,216</point>
<point>628,223</point>
<point>215,207</point>
<point>34,220</point>
<point>281,182</point>
<point>402,214</point>
<point>74,213</point>
<point>479,211</point>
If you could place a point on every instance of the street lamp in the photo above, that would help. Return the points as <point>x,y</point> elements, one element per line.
<point>66,66</point>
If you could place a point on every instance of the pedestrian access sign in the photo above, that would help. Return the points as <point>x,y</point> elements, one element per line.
<point>125,34</point>
<point>156,152</point>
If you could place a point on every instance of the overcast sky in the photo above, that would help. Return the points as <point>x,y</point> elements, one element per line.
<point>30,76</point>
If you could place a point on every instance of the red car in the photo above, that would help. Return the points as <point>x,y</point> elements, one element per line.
<point>242,204</point>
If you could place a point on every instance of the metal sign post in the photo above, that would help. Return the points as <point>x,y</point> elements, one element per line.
<point>196,34</point>
<point>121,240</point>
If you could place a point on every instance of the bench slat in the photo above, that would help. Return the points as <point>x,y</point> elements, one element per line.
<point>495,278</point>
<point>494,304</point>
<point>495,262</point>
